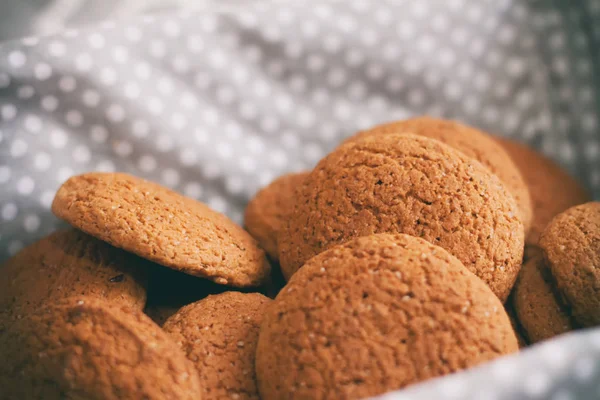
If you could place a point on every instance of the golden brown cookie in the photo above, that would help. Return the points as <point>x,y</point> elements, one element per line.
<point>471,142</point>
<point>537,305</point>
<point>162,226</point>
<point>571,246</point>
<point>219,335</point>
<point>85,348</point>
<point>408,184</point>
<point>267,211</point>
<point>552,190</point>
<point>375,314</point>
<point>68,263</point>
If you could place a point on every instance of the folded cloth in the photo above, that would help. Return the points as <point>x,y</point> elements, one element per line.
<point>217,103</point>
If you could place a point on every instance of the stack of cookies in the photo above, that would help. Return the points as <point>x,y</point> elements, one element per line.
<point>82,309</point>
<point>397,259</point>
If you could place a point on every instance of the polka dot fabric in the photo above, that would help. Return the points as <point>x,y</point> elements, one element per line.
<point>217,103</point>
<point>566,368</point>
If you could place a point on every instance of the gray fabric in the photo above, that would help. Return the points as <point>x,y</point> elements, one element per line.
<point>21,18</point>
<point>215,104</point>
<point>565,368</point>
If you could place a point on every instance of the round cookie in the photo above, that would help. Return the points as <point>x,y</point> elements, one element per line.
<point>86,348</point>
<point>552,190</point>
<point>375,314</point>
<point>400,183</point>
<point>537,305</point>
<point>471,142</point>
<point>267,211</point>
<point>68,263</point>
<point>571,246</point>
<point>162,226</point>
<point>219,334</point>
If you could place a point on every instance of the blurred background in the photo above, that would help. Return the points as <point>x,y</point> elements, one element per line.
<point>19,18</point>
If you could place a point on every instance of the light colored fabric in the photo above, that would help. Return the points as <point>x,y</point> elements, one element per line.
<point>20,18</point>
<point>217,103</point>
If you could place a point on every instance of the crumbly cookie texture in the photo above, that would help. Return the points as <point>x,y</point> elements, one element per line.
<point>571,246</point>
<point>85,348</point>
<point>471,142</point>
<point>401,183</point>
<point>219,335</point>
<point>375,314</point>
<point>163,226</point>
<point>552,190</point>
<point>537,303</point>
<point>68,263</point>
<point>268,210</point>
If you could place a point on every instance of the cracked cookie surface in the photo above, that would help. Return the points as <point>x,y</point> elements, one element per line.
<point>219,335</point>
<point>401,183</point>
<point>163,226</point>
<point>85,348</point>
<point>68,263</point>
<point>376,314</point>
<point>471,142</point>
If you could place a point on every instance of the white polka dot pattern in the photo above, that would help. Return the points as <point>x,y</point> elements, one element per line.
<point>217,105</point>
<point>566,368</point>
